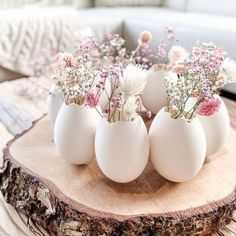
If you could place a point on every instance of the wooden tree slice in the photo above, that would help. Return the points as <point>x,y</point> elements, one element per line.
<point>78,200</point>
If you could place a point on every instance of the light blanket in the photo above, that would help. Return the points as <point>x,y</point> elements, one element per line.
<point>24,32</point>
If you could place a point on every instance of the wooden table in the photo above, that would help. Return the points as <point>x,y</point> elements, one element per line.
<point>22,101</point>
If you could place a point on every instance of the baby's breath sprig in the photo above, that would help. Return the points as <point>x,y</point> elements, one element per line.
<point>200,77</point>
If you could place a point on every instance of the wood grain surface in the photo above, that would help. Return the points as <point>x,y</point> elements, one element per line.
<point>27,97</point>
<point>32,167</point>
<point>150,193</point>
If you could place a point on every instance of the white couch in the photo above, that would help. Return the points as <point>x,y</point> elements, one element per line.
<point>203,20</point>
<point>192,20</point>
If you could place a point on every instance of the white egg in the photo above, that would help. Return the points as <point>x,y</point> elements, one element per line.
<point>122,149</point>
<point>74,133</point>
<point>216,128</point>
<point>54,102</point>
<point>178,147</point>
<point>154,96</point>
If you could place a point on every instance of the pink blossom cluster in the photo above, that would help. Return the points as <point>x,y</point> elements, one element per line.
<point>206,59</point>
<point>63,65</point>
<point>203,66</point>
<point>208,107</point>
<point>109,51</point>
<point>116,102</point>
<point>146,56</point>
<point>91,99</point>
<point>161,51</point>
<point>198,77</point>
<point>40,60</point>
<point>171,37</point>
<point>88,45</point>
<point>112,49</point>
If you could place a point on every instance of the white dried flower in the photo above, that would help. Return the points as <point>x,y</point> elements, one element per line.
<point>228,70</point>
<point>129,108</point>
<point>177,54</point>
<point>133,80</point>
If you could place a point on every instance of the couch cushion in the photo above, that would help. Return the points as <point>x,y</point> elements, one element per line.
<point>103,19</point>
<point>118,3</point>
<point>226,7</point>
<point>188,27</point>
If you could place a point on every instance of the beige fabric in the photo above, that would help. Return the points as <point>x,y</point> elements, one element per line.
<point>19,3</point>
<point>36,3</point>
<point>117,3</point>
<point>26,32</point>
<point>25,3</point>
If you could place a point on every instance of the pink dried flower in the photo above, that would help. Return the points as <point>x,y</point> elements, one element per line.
<point>179,69</point>
<point>149,114</point>
<point>103,74</point>
<point>161,52</point>
<point>109,36</point>
<point>95,53</point>
<point>91,99</point>
<point>106,110</point>
<point>171,34</point>
<point>196,51</point>
<point>145,37</point>
<point>70,61</point>
<point>169,29</point>
<point>171,37</point>
<point>66,59</point>
<point>208,107</point>
<point>62,62</point>
<point>86,45</point>
<point>117,101</point>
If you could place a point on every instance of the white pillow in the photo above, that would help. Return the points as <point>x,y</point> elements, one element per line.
<point>122,3</point>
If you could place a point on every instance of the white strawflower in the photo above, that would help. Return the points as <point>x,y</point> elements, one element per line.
<point>129,108</point>
<point>133,80</point>
<point>177,54</point>
<point>228,70</point>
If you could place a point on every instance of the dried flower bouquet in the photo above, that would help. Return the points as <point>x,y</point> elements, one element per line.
<point>81,77</point>
<point>201,76</point>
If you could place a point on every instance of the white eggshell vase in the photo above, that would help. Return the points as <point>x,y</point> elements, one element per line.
<point>178,147</point>
<point>54,102</point>
<point>122,149</point>
<point>74,133</point>
<point>154,96</point>
<point>216,128</point>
